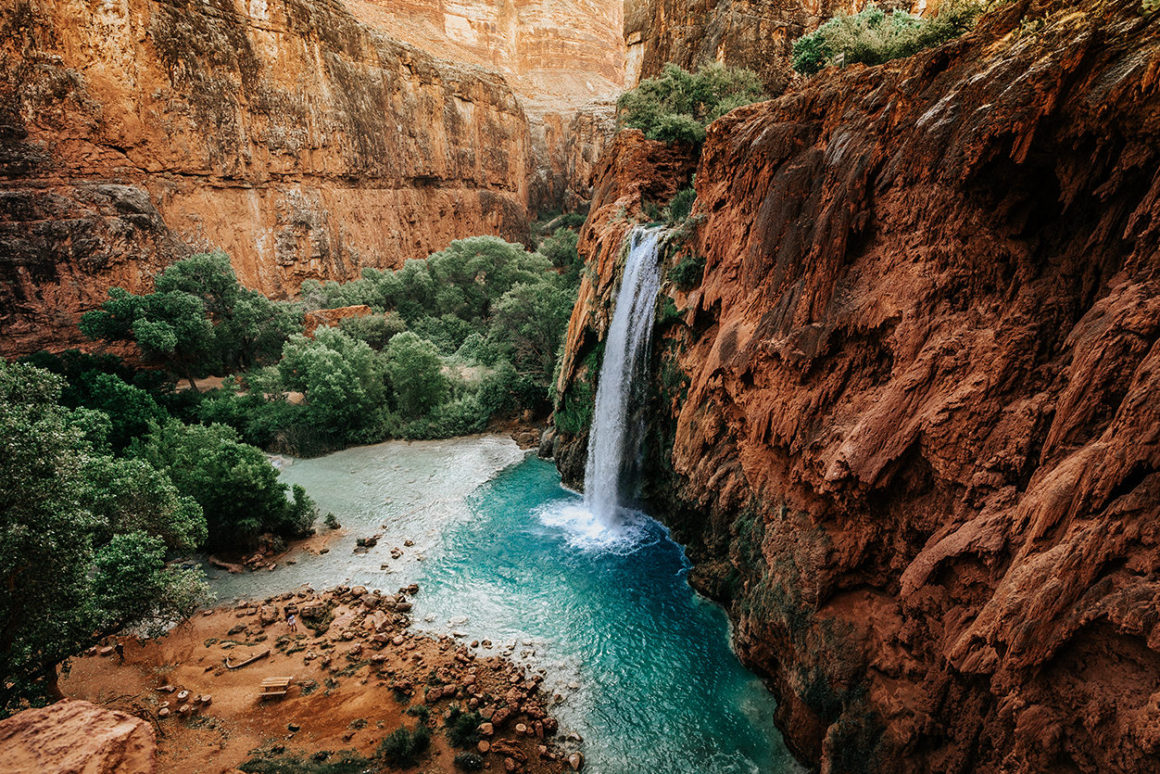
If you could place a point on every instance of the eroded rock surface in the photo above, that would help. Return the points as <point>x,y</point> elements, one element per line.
<point>298,139</point>
<point>909,424</point>
<point>77,736</point>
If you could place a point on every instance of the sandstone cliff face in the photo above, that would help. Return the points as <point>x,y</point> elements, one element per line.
<point>909,424</point>
<point>77,736</point>
<point>757,34</point>
<point>285,132</point>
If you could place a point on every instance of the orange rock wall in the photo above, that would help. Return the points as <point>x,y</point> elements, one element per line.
<point>286,132</point>
<point>79,736</point>
<point>908,423</point>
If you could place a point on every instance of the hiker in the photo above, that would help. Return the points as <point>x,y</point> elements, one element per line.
<point>291,622</point>
<point>119,649</point>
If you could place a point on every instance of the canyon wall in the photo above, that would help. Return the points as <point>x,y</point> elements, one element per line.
<point>286,132</point>
<point>908,424</point>
<point>756,34</point>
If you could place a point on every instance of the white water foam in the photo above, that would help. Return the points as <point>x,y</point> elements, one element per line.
<point>586,532</point>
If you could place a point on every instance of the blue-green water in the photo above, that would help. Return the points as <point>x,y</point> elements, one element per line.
<point>659,689</point>
<point>503,552</point>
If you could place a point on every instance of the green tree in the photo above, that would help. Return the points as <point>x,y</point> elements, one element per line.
<point>677,105</point>
<point>53,602</point>
<point>529,326</point>
<point>171,328</point>
<point>234,483</point>
<point>416,374</point>
<point>130,495</point>
<point>130,409</point>
<point>341,377</point>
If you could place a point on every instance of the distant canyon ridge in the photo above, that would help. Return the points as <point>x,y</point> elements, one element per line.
<point>312,138</point>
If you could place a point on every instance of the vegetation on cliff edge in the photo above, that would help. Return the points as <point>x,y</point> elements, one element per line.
<point>677,105</point>
<point>873,36</point>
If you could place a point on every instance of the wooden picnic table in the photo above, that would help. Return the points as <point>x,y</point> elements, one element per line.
<point>275,686</point>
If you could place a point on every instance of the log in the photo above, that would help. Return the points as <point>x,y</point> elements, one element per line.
<point>250,660</point>
<point>228,566</point>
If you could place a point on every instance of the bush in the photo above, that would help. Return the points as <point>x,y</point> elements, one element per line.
<point>402,748</point>
<point>872,36</point>
<point>346,762</point>
<point>688,271</point>
<point>376,330</point>
<point>233,482</point>
<point>680,206</point>
<point>677,105</point>
<point>468,761</point>
<point>462,727</point>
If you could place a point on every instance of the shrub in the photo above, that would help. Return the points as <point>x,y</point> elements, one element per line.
<point>376,330</point>
<point>346,762</point>
<point>468,761</point>
<point>680,206</point>
<point>462,727</point>
<point>233,482</point>
<point>688,271</point>
<point>402,748</point>
<point>416,374</point>
<point>872,36</point>
<point>677,105</point>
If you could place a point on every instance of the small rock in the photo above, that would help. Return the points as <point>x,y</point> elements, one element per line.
<point>293,728</point>
<point>576,761</point>
<point>483,746</point>
<point>486,729</point>
<point>509,764</point>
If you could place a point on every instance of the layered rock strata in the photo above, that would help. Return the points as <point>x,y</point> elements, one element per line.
<point>908,421</point>
<point>286,132</point>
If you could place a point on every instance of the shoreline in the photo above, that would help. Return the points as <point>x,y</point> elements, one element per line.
<point>355,667</point>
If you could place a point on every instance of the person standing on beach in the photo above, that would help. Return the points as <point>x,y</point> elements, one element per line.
<point>291,622</point>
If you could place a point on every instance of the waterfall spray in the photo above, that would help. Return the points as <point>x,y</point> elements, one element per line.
<point>611,441</point>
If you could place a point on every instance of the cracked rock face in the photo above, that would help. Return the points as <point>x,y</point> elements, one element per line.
<point>286,132</point>
<point>909,423</point>
<point>74,735</point>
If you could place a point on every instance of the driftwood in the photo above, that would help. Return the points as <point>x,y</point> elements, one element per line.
<point>250,660</point>
<point>229,566</point>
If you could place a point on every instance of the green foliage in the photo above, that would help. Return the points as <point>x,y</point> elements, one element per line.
<point>677,105</point>
<point>462,728</point>
<point>68,574</point>
<point>529,324</point>
<point>130,495</point>
<point>872,36</point>
<point>416,374</point>
<point>376,330</point>
<point>402,748</point>
<point>688,271</point>
<point>199,319</point>
<point>341,378</point>
<point>467,761</point>
<point>1150,6</point>
<point>346,762</point>
<point>234,483</point>
<point>130,409</point>
<point>680,206</point>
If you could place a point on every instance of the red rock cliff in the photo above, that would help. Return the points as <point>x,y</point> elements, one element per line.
<point>301,141</point>
<point>909,424</point>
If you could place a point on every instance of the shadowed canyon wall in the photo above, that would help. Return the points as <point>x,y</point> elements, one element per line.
<point>909,422</point>
<point>290,134</point>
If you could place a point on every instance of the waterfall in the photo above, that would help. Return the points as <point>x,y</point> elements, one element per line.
<point>613,440</point>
